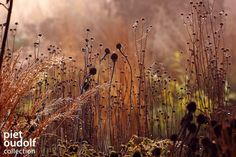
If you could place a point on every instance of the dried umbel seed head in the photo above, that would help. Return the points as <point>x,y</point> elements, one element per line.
<point>191,107</point>
<point>118,46</point>
<point>174,137</point>
<point>201,119</point>
<point>136,154</point>
<point>156,152</point>
<point>114,57</point>
<point>107,51</point>
<point>92,71</point>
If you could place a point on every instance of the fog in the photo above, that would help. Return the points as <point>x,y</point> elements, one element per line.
<point>63,22</point>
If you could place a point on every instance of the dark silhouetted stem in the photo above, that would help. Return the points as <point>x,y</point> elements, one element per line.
<point>4,41</point>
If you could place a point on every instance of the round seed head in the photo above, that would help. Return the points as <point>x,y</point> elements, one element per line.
<point>174,137</point>
<point>118,46</point>
<point>156,152</point>
<point>114,57</point>
<point>136,154</point>
<point>201,119</point>
<point>191,107</point>
<point>92,71</point>
<point>107,51</point>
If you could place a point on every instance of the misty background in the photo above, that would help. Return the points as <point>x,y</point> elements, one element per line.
<point>63,22</point>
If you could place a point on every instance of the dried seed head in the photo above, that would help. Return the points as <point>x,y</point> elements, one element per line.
<point>92,71</point>
<point>156,152</point>
<point>191,107</point>
<point>174,137</point>
<point>118,46</point>
<point>114,57</point>
<point>107,51</point>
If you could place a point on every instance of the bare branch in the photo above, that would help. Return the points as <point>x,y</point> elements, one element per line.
<point>4,6</point>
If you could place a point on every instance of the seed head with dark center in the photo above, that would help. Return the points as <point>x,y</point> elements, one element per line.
<point>156,152</point>
<point>114,57</point>
<point>174,137</point>
<point>107,51</point>
<point>118,46</point>
<point>92,71</point>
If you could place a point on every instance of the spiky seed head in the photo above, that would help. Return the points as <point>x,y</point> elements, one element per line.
<point>191,107</point>
<point>118,46</point>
